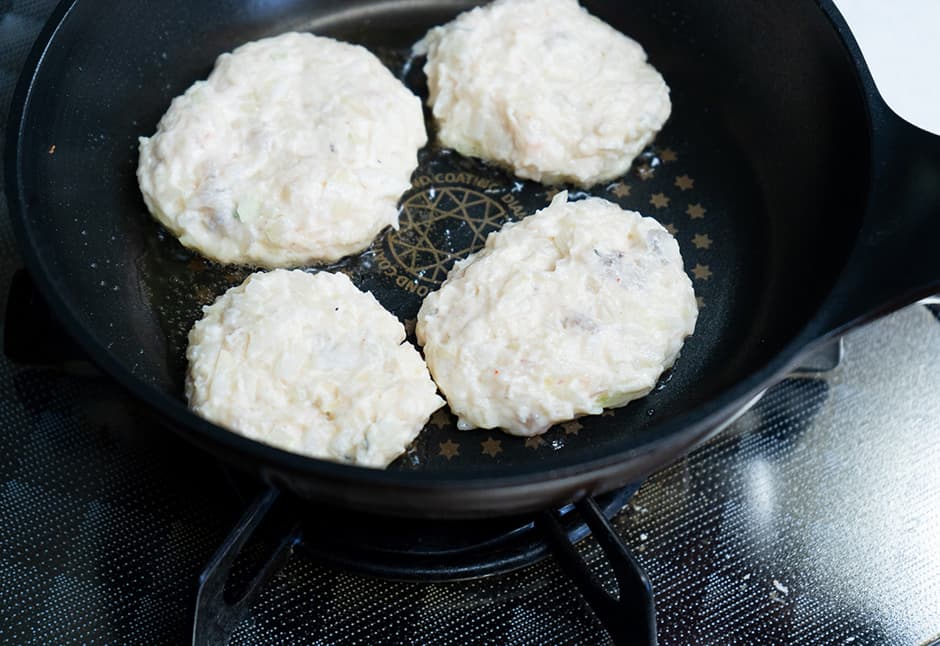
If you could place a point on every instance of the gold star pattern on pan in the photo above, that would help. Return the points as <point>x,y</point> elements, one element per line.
<point>572,427</point>
<point>702,272</point>
<point>449,449</point>
<point>492,446</point>
<point>608,412</point>
<point>440,418</point>
<point>696,211</point>
<point>668,155</point>
<point>534,442</point>
<point>645,172</point>
<point>701,241</point>
<point>620,189</point>
<point>684,182</point>
<point>700,300</point>
<point>659,200</point>
<point>671,228</point>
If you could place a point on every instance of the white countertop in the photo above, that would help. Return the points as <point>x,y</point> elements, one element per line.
<point>901,44</point>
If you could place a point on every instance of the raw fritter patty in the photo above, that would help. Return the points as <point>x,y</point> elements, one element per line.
<point>577,308</point>
<point>545,88</point>
<point>310,364</point>
<point>295,150</point>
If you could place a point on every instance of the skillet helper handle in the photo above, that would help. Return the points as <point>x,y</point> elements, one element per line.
<point>896,260</point>
<point>630,618</point>
<point>216,616</point>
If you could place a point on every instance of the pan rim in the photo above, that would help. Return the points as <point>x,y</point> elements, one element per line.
<point>683,430</point>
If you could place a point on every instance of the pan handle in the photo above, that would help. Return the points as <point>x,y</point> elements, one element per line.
<point>896,259</point>
<point>217,616</point>
<point>630,617</point>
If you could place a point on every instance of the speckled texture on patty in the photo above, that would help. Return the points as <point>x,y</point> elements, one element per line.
<point>577,308</point>
<point>295,150</point>
<point>310,364</point>
<point>544,88</point>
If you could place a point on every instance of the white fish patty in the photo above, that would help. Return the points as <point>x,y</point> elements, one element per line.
<point>296,149</point>
<point>545,88</point>
<point>310,364</point>
<point>577,308</point>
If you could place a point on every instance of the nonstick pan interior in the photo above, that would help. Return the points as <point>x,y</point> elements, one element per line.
<point>760,173</point>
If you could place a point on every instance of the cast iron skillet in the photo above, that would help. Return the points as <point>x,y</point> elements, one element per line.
<point>802,205</point>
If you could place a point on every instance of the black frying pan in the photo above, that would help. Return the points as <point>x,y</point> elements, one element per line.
<point>801,203</point>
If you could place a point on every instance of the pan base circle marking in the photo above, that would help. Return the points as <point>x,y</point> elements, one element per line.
<point>440,225</point>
